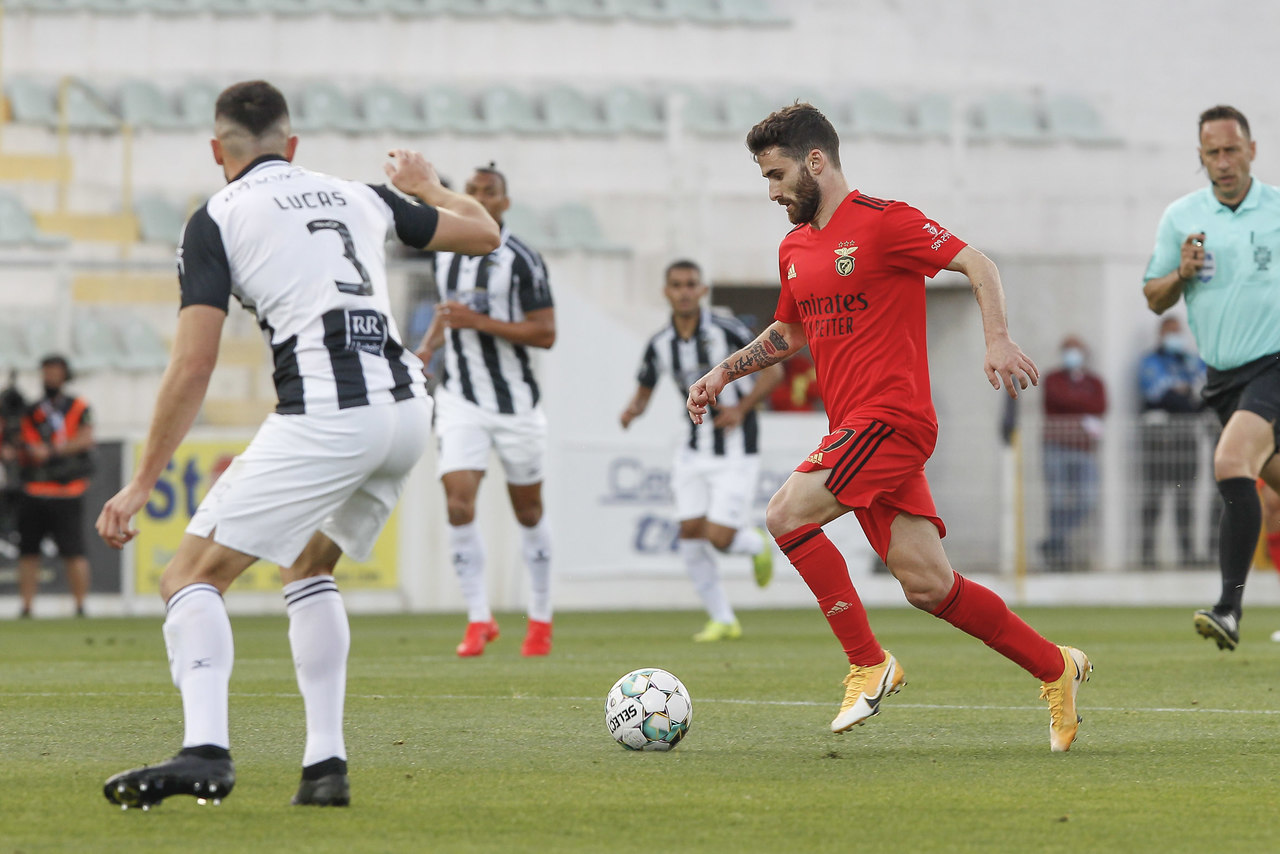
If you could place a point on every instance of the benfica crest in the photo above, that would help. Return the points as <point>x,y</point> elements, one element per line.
<point>844,257</point>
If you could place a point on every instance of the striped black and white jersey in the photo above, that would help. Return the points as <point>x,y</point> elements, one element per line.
<point>305,252</point>
<point>506,284</point>
<point>685,360</point>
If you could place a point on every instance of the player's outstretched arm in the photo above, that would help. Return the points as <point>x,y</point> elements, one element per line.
<point>182,390</point>
<point>464,225</point>
<point>1005,363</point>
<point>778,342</point>
<point>639,403</point>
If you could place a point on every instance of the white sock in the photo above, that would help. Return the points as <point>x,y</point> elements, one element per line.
<point>197,634</point>
<point>747,542</point>
<point>320,638</point>
<point>466,551</point>
<point>535,543</point>
<point>700,563</point>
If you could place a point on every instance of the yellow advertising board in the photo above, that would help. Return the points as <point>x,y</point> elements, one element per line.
<point>178,493</point>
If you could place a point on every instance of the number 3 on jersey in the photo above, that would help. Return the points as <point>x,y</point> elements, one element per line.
<point>364,287</point>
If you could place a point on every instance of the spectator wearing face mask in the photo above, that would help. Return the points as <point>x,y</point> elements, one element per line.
<point>1075,400</point>
<point>1169,378</point>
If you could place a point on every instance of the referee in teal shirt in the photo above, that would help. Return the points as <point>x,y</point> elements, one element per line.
<point>1219,247</point>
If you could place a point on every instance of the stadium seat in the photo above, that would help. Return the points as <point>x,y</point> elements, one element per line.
<point>355,8</point>
<point>53,5</point>
<point>386,108</point>
<point>574,226</point>
<point>701,114</point>
<point>196,100</point>
<point>472,8</point>
<point>508,110</point>
<point>591,10</point>
<point>1007,116</point>
<point>698,11</point>
<point>32,102</point>
<point>416,8</point>
<point>934,115</point>
<point>236,7</point>
<point>1073,118</point>
<point>629,111</point>
<point>94,342</point>
<point>143,105</point>
<point>530,226</point>
<point>159,221</point>
<point>571,111</point>
<point>743,108</point>
<point>875,113</point>
<point>177,7</point>
<point>87,109</point>
<point>449,109</point>
<point>291,7</point>
<point>760,12</point>
<point>322,106</point>
<point>142,348</point>
<point>17,228</point>
<point>117,7</point>
<point>527,8</point>
<point>649,11</point>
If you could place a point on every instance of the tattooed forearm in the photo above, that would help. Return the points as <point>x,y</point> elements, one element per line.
<point>769,349</point>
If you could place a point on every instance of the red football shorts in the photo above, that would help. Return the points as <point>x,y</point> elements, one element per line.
<point>878,473</point>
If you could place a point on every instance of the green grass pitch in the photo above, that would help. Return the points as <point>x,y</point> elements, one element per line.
<point>1179,750</point>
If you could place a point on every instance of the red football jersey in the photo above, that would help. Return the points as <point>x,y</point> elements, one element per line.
<point>857,285</point>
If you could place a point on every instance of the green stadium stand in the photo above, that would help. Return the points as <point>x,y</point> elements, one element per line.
<point>759,12</point>
<point>143,105</point>
<point>649,11</point>
<point>94,342</point>
<point>177,7</point>
<point>702,114</point>
<point>629,111</point>
<point>511,111</point>
<point>141,347</point>
<point>292,8</point>
<point>32,102</point>
<point>571,111</point>
<point>46,6</point>
<point>355,8</point>
<point>118,7</point>
<point>1072,118</point>
<point>743,108</point>
<point>934,115</point>
<point>875,113</point>
<point>698,11</point>
<point>449,109</point>
<point>533,9</point>
<point>416,8</point>
<point>590,10</point>
<point>196,100</point>
<point>472,8</point>
<point>387,108</point>
<point>574,226</point>
<point>237,7</point>
<point>321,106</point>
<point>87,110</point>
<point>530,226</point>
<point>1006,116</point>
<point>159,221</point>
<point>17,228</point>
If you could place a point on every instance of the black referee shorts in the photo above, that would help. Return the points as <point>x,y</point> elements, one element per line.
<point>57,518</point>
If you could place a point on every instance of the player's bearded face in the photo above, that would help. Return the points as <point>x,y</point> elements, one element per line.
<point>804,199</point>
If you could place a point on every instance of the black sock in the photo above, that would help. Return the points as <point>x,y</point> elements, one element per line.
<point>332,765</point>
<point>206,751</point>
<point>1237,540</point>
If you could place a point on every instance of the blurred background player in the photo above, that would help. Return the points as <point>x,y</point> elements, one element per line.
<point>1219,247</point>
<point>492,309</point>
<point>852,287</point>
<point>305,252</point>
<point>57,460</point>
<point>714,474</point>
<point>1169,378</point>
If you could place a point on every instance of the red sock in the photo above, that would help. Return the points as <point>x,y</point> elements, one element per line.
<point>1273,549</point>
<point>822,567</point>
<point>974,609</point>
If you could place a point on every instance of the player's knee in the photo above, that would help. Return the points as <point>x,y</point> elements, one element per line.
<point>780,517</point>
<point>529,516</point>
<point>461,511</point>
<point>720,538</point>
<point>925,587</point>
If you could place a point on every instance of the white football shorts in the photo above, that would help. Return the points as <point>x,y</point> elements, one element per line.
<point>339,473</point>
<point>466,433</point>
<point>719,488</point>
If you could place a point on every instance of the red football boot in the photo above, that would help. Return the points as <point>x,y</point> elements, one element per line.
<point>537,641</point>
<point>478,634</point>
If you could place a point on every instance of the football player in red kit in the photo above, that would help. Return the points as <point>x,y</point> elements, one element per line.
<point>852,274</point>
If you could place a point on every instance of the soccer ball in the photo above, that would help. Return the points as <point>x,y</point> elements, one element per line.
<point>648,709</point>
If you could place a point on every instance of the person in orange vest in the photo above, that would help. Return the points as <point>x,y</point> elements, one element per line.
<point>56,457</point>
